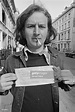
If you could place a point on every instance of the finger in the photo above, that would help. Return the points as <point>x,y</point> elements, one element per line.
<point>54,68</point>
<point>8,74</point>
<point>57,70</point>
<point>66,73</point>
<point>7,88</point>
<point>67,78</point>
<point>8,77</point>
<point>57,73</point>
<point>68,82</point>
<point>7,84</point>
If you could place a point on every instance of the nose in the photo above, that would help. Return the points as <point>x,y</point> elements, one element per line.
<point>36,30</point>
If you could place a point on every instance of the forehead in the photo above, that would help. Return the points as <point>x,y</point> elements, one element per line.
<point>37,17</point>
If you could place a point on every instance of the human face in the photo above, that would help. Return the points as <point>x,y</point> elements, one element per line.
<point>36,30</point>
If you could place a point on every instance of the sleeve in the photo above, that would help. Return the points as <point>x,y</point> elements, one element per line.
<point>5,69</point>
<point>2,71</point>
<point>64,86</point>
<point>61,83</point>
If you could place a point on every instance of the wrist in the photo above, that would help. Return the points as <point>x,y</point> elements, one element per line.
<point>4,93</point>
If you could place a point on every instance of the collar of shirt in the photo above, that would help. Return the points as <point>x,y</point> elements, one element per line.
<point>43,52</point>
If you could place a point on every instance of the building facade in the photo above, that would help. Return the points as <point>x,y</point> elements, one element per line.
<point>65,26</point>
<point>7,24</point>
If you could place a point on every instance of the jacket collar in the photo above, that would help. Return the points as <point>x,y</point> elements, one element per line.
<point>54,53</point>
<point>47,51</point>
<point>17,54</point>
<point>43,52</point>
<point>21,55</point>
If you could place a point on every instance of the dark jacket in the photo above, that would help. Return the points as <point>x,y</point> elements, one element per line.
<point>17,60</point>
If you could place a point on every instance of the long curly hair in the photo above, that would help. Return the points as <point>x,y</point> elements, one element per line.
<point>21,20</point>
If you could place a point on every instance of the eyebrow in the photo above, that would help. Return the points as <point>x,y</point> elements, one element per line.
<point>35,24</point>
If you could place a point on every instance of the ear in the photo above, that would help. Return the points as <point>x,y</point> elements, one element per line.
<point>47,38</point>
<point>23,33</point>
<point>23,39</point>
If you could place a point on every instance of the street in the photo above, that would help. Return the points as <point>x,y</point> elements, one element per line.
<point>69,63</point>
<point>67,99</point>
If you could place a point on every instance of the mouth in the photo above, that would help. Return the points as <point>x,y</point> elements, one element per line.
<point>37,40</point>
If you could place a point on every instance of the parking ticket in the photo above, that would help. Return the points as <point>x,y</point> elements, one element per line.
<point>33,76</point>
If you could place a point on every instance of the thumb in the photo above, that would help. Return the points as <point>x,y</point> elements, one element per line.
<point>57,73</point>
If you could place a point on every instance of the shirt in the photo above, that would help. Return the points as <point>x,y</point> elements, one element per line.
<point>37,98</point>
<point>44,52</point>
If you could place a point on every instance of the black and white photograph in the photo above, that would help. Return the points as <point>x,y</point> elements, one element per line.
<point>37,55</point>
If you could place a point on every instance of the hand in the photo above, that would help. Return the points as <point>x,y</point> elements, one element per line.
<point>57,73</point>
<point>6,81</point>
<point>68,77</point>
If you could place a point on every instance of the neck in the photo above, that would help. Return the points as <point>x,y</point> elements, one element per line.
<point>37,50</point>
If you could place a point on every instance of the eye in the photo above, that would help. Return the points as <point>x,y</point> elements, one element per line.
<point>42,26</point>
<point>30,26</point>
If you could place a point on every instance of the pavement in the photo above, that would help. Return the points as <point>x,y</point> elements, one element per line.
<point>67,99</point>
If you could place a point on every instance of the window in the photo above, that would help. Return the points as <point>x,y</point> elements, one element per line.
<point>68,23</point>
<point>4,39</point>
<point>59,28</point>
<point>65,25</point>
<point>62,27</point>
<point>58,47</point>
<point>59,21</point>
<point>61,45</point>
<point>61,36</point>
<point>3,17</point>
<point>69,15</point>
<point>73,22</point>
<point>62,19</point>
<point>68,45</point>
<point>9,42</point>
<point>65,17</point>
<point>68,34</point>
<point>65,35</point>
<point>64,45</point>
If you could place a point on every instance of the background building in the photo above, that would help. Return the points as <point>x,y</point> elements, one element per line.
<point>7,27</point>
<point>65,26</point>
<point>7,24</point>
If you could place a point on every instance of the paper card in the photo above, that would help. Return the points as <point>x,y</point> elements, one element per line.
<point>34,76</point>
<point>66,74</point>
